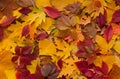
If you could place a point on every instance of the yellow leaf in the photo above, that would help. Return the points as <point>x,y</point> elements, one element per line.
<point>117,46</point>
<point>43,3</point>
<point>109,59</point>
<point>47,24</point>
<point>10,74</point>
<point>46,47</point>
<point>36,15</point>
<point>5,63</point>
<point>60,4</point>
<point>104,46</point>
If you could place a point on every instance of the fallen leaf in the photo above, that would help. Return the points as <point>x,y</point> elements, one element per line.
<point>7,21</point>
<point>52,12</point>
<point>115,72</point>
<point>108,33</point>
<point>116,17</point>
<point>25,10</point>
<point>25,30</point>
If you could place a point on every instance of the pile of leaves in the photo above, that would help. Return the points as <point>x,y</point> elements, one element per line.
<point>59,39</point>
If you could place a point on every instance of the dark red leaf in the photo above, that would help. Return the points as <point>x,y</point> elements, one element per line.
<point>117,2</point>
<point>26,50</point>
<point>25,10</point>
<point>25,60</point>
<point>116,17</point>
<point>17,50</point>
<point>38,73</point>
<point>89,73</point>
<point>7,21</point>
<point>52,12</point>
<point>15,58</point>
<point>82,66</point>
<point>97,70</point>
<point>1,34</point>
<point>25,30</point>
<point>60,63</point>
<point>104,68</point>
<point>42,36</point>
<point>108,33</point>
<point>101,19</point>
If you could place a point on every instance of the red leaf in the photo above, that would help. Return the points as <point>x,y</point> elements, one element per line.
<point>89,73</point>
<point>25,30</point>
<point>7,21</point>
<point>17,50</point>
<point>52,12</point>
<point>104,68</point>
<point>15,58</point>
<point>25,10</point>
<point>116,17</point>
<point>108,33</point>
<point>82,66</point>
<point>101,19</point>
<point>117,2</point>
<point>26,50</point>
<point>1,34</point>
<point>38,73</point>
<point>42,36</point>
<point>60,63</point>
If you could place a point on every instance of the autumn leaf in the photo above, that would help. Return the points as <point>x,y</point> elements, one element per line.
<point>115,71</point>
<point>25,10</point>
<point>52,12</point>
<point>116,17</point>
<point>5,63</point>
<point>108,33</point>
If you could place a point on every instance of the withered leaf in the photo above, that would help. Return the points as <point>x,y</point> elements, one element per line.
<point>65,22</point>
<point>90,30</point>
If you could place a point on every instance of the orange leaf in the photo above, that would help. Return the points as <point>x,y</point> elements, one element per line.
<point>116,29</point>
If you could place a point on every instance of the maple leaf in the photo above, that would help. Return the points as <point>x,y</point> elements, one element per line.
<point>94,7</point>
<point>52,12</point>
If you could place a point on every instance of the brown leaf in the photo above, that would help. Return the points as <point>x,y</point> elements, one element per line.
<point>7,7</point>
<point>90,30</point>
<point>26,3</point>
<point>65,22</point>
<point>115,72</point>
